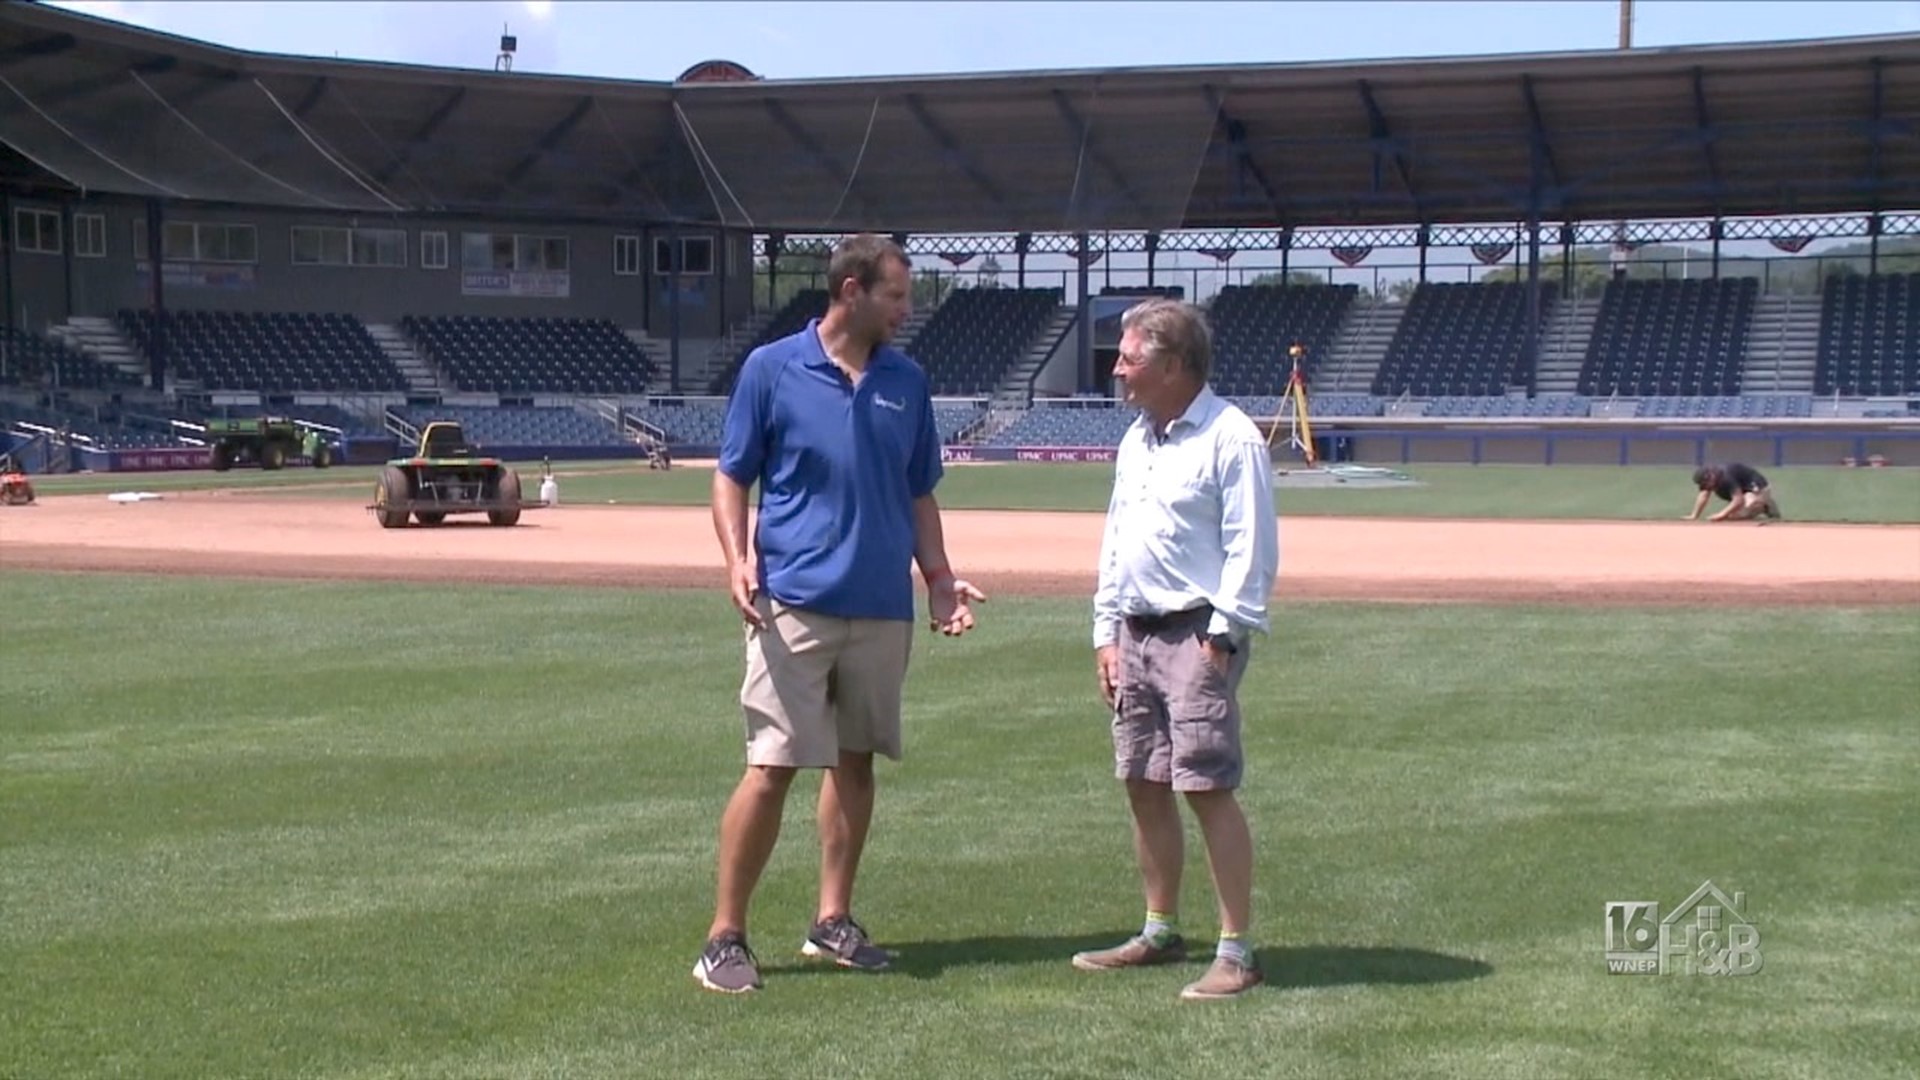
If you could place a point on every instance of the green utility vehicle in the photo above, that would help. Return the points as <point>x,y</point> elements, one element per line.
<point>267,441</point>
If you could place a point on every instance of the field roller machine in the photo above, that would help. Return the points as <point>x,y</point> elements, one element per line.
<point>445,476</point>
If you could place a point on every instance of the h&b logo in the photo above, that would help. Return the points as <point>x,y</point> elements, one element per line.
<point>1707,934</point>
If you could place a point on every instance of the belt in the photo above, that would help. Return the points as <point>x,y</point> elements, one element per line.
<point>1168,620</point>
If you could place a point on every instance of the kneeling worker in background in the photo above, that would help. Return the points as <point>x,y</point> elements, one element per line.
<point>1742,486</point>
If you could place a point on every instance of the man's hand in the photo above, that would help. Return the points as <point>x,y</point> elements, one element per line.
<point>950,604</point>
<point>744,584</point>
<point>1221,659</point>
<point>1106,668</point>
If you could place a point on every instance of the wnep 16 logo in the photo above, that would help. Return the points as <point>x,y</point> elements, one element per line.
<point>1708,934</point>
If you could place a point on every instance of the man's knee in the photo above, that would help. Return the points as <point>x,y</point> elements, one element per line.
<point>769,780</point>
<point>1211,799</point>
<point>854,767</point>
<point>1142,790</point>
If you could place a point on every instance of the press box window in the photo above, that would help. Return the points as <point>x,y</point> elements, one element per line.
<point>90,236</point>
<point>626,256</point>
<point>514,251</point>
<point>37,231</point>
<point>189,241</point>
<point>696,255</point>
<point>315,245</point>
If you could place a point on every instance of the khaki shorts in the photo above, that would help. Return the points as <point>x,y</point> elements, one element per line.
<point>818,685</point>
<point>1177,720</point>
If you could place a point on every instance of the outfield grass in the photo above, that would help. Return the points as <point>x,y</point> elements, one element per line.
<point>370,831</point>
<point>1573,492</point>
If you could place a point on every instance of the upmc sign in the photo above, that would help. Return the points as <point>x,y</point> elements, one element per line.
<point>1026,453</point>
<point>162,459</point>
<point>1063,453</point>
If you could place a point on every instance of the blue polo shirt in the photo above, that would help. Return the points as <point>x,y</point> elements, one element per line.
<point>839,467</point>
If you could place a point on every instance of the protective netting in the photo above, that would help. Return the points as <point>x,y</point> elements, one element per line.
<point>946,158</point>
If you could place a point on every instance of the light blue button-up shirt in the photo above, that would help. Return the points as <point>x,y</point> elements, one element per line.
<point>1191,522</point>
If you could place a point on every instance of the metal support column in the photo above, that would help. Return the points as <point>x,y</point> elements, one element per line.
<point>156,297</point>
<point>1085,318</point>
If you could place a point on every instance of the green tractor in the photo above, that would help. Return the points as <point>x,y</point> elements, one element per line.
<point>269,441</point>
<point>445,476</point>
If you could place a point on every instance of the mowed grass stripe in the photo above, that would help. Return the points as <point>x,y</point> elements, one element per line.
<point>253,829</point>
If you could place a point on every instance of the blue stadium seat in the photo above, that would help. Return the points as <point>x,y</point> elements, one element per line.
<point>1869,336</point>
<point>32,359</point>
<point>976,335</point>
<point>270,351</point>
<point>505,426</point>
<point>1254,326</point>
<point>533,355</point>
<point>1069,425</point>
<point>1684,338</point>
<point>1459,340</point>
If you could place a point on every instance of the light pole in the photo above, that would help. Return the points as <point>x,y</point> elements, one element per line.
<point>1619,259</point>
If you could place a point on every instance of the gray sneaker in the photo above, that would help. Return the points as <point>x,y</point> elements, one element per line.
<point>1136,951</point>
<point>846,943</point>
<point>727,966</point>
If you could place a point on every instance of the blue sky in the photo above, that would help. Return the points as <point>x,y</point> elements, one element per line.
<point>799,39</point>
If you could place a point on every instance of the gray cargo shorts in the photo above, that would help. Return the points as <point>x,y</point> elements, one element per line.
<point>1177,717</point>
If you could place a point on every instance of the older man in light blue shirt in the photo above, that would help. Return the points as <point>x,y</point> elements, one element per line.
<point>1186,568</point>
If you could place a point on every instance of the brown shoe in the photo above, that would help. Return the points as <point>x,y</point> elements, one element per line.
<point>1134,952</point>
<point>1225,979</point>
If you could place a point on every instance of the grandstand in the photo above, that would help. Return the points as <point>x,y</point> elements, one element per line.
<point>1658,338</point>
<point>1254,326</point>
<point>525,428</point>
<point>192,410</point>
<point>1870,337</point>
<point>806,305</point>
<point>698,423</point>
<point>274,351</point>
<point>1052,425</point>
<point>32,358</point>
<point>537,355</point>
<point>1545,406</point>
<point>86,428</point>
<point>976,335</point>
<point>1459,340</point>
<point>336,288</point>
<point>683,423</point>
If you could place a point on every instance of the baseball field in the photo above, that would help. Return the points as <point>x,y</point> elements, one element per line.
<point>283,794</point>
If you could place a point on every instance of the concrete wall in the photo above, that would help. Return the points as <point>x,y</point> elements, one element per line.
<point>1062,376</point>
<point>1679,449</point>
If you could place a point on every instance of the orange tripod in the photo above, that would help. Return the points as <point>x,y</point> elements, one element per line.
<point>1300,427</point>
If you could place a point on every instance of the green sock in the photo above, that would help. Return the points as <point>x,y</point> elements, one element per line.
<point>1160,928</point>
<point>1235,948</point>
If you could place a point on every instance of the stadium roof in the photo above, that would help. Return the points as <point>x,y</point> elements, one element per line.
<point>1797,127</point>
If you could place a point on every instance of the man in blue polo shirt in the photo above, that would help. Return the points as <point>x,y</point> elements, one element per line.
<point>837,429</point>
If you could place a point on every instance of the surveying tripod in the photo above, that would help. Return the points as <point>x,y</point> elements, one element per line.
<point>1299,426</point>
